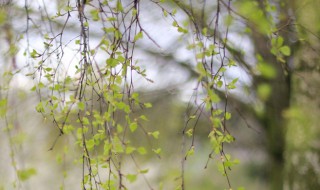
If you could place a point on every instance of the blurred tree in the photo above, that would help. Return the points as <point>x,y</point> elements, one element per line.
<point>303,153</point>
<point>282,78</point>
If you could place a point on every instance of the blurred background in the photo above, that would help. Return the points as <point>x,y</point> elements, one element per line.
<point>275,107</point>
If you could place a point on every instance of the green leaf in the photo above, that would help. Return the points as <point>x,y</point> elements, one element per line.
<point>144,171</point>
<point>95,14</point>
<point>285,50</point>
<point>267,70</point>
<point>200,69</point>
<point>148,105</point>
<point>165,13</point>
<point>142,150</point>
<point>40,108</point>
<point>130,149</point>
<point>143,117</point>
<point>119,128</point>
<point>85,121</point>
<point>192,116</point>
<point>182,30</point>
<point>228,115</point>
<point>174,23</point>
<point>277,42</point>
<point>119,6</point>
<point>67,129</point>
<point>157,151</point>
<point>24,175</point>
<point>204,31</point>
<point>174,11</point>
<point>190,151</point>
<point>34,54</point>
<point>219,83</point>
<point>264,91</point>
<point>106,148</point>
<point>232,85</point>
<point>41,85</point>
<point>117,145</point>
<point>214,97</point>
<point>90,144</point>
<point>189,132</point>
<point>3,109</point>
<point>131,177</point>
<point>138,36</point>
<point>133,126</point>
<point>111,62</point>
<point>81,106</point>
<point>109,30</point>
<point>155,134</point>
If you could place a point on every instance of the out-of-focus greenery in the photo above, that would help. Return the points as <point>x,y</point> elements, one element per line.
<point>271,82</point>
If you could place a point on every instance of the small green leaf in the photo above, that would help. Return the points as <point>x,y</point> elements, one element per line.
<point>85,121</point>
<point>214,97</point>
<point>264,91</point>
<point>192,116</point>
<point>182,30</point>
<point>190,151</point>
<point>90,144</point>
<point>119,6</point>
<point>34,54</point>
<point>67,129</point>
<point>157,151</point>
<point>148,105</point>
<point>40,108</point>
<point>133,126</point>
<point>131,177</point>
<point>189,132</point>
<point>109,30</point>
<point>174,11</point>
<point>165,13</point>
<point>130,149</point>
<point>277,42</point>
<point>144,171</point>
<point>204,31</point>
<point>228,115</point>
<point>112,62</point>
<point>267,70</point>
<point>117,145</point>
<point>142,150</point>
<point>24,175</point>
<point>41,85</point>
<point>143,117</point>
<point>81,106</point>
<point>95,14</point>
<point>285,50</point>
<point>155,134</point>
<point>174,23</point>
<point>138,36</point>
<point>232,84</point>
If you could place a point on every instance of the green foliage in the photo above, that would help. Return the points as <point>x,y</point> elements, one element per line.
<point>88,84</point>
<point>251,10</point>
<point>26,174</point>
<point>3,107</point>
<point>279,49</point>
